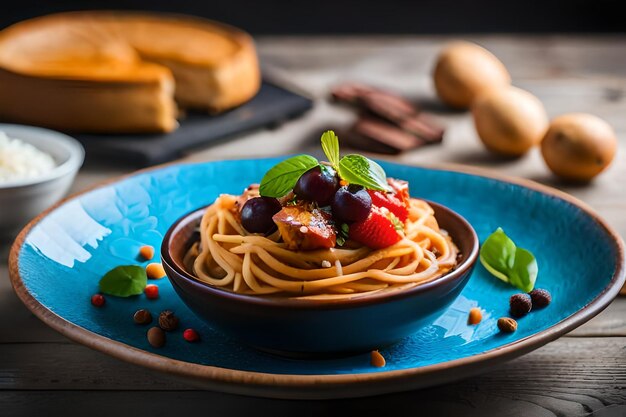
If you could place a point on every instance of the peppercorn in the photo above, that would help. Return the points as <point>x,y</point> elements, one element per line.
<point>156,337</point>
<point>520,304</point>
<point>540,298</point>
<point>191,335</point>
<point>168,321</point>
<point>507,325</point>
<point>142,316</point>
<point>377,360</point>
<point>98,300</point>
<point>151,291</point>
<point>475,316</point>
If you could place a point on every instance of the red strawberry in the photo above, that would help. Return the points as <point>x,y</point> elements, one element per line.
<point>391,202</point>
<point>380,229</point>
<point>401,189</point>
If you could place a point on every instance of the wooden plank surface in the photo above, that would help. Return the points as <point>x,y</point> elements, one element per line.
<point>580,360</point>
<point>570,377</point>
<point>584,373</point>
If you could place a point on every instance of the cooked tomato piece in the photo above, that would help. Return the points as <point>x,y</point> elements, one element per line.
<point>305,229</point>
<point>401,189</point>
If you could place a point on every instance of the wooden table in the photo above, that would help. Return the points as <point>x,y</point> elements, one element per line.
<point>42,373</point>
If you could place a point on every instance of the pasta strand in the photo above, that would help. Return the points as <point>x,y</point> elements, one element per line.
<point>230,258</point>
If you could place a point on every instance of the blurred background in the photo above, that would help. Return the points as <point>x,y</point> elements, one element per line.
<point>366,16</point>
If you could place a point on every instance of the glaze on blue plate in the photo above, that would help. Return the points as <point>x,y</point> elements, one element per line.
<point>65,253</point>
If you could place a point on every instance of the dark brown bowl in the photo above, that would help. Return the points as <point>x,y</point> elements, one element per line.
<point>319,327</point>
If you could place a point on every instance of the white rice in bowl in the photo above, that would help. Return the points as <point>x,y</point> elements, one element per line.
<point>22,161</point>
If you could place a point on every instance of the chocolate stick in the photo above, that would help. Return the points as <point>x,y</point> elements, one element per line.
<point>392,108</point>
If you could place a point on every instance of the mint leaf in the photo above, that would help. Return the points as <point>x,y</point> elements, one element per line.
<point>357,169</point>
<point>330,145</point>
<point>282,177</point>
<point>124,281</point>
<point>504,260</point>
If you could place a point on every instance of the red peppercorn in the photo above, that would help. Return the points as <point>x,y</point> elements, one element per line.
<point>152,291</point>
<point>98,300</point>
<point>191,335</point>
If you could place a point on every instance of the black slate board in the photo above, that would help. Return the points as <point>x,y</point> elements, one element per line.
<point>270,107</point>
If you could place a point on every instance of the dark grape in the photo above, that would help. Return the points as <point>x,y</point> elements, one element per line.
<point>351,204</point>
<point>317,184</point>
<point>256,214</point>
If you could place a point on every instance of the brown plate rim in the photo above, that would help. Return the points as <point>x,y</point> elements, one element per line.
<point>290,386</point>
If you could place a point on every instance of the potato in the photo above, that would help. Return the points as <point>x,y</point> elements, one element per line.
<point>578,146</point>
<point>509,120</point>
<point>463,70</point>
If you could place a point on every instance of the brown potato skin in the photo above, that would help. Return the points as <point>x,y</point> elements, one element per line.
<point>509,121</point>
<point>578,146</point>
<point>463,70</point>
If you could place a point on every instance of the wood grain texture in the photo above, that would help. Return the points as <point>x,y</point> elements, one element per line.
<point>453,402</point>
<point>576,375</point>
<point>570,377</point>
<point>611,322</point>
<point>45,366</point>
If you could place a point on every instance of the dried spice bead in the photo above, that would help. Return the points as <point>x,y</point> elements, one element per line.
<point>168,321</point>
<point>146,252</point>
<point>156,337</point>
<point>507,324</point>
<point>540,298</point>
<point>142,316</point>
<point>155,271</point>
<point>475,316</point>
<point>191,335</point>
<point>98,300</point>
<point>520,304</point>
<point>151,291</point>
<point>377,360</point>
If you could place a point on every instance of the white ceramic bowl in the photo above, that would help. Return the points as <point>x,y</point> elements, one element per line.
<point>22,200</point>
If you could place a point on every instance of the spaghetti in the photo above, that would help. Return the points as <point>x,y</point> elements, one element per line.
<point>229,257</point>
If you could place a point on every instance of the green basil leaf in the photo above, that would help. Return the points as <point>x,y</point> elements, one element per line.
<point>504,260</point>
<point>497,254</point>
<point>330,145</point>
<point>357,169</point>
<point>282,177</point>
<point>124,281</point>
<point>524,272</point>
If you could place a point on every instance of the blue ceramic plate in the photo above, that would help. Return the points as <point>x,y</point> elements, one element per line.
<point>58,259</point>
